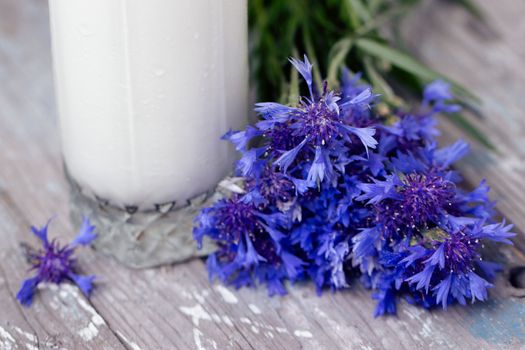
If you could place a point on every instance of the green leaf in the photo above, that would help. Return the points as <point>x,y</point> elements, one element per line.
<point>294,93</point>
<point>409,65</point>
<point>336,59</point>
<point>379,83</point>
<point>360,10</point>
<point>310,51</point>
<point>374,6</point>
<point>352,16</point>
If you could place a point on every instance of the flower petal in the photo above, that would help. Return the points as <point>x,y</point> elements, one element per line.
<point>85,235</point>
<point>365,135</point>
<point>442,291</point>
<point>447,155</point>
<point>436,91</point>
<point>317,169</point>
<point>304,68</point>
<point>438,257</point>
<point>42,232</point>
<point>422,278</point>
<point>478,287</point>
<point>286,159</point>
<point>27,291</point>
<point>85,283</point>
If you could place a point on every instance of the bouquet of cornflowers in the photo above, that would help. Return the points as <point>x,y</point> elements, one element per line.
<point>334,187</point>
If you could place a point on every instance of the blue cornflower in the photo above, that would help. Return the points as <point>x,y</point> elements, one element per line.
<point>315,133</point>
<point>448,265</point>
<point>322,133</point>
<point>438,93</point>
<point>55,263</point>
<point>444,266</point>
<point>252,245</point>
<point>412,132</point>
<point>420,200</point>
<point>409,132</point>
<point>331,188</point>
<point>272,188</point>
<point>432,228</point>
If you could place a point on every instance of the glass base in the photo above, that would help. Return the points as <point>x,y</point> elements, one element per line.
<point>141,239</point>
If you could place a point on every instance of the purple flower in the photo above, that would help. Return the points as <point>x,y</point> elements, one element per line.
<point>380,190</point>
<point>272,112</point>
<point>364,245</point>
<point>499,232</point>
<point>386,302</point>
<point>251,243</point>
<point>305,69</point>
<point>438,93</point>
<point>423,277</point>
<point>445,157</point>
<point>333,189</point>
<point>319,131</point>
<point>478,287</point>
<point>287,158</point>
<point>274,187</point>
<point>442,290</point>
<point>405,207</point>
<point>437,90</point>
<point>319,167</point>
<point>54,263</point>
<point>241,138</point>
<point>448,268</point>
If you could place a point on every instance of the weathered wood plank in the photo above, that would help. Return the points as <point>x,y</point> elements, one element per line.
<point>488,60</point>
<point>176,307</point>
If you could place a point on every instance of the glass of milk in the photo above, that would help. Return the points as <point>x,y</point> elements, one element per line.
<point>145,89</point>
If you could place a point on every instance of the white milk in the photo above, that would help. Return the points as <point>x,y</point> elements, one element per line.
<point>145,89</point>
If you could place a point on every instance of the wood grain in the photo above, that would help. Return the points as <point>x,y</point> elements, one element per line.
<point>176,307</point>
<point>489,60</point>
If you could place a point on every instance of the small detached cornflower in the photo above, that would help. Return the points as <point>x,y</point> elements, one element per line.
<point>337,186</point>
<point>54,263</point>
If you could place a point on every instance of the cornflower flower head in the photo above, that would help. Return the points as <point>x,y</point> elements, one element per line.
<point>251,244</point>
<point>54,263</point>
<point>305,140</point>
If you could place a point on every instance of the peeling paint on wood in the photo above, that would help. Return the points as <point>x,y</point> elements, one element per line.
<point>499,322</point>
<point>255,309</point>
<point>226,294</point>
<point>302,334</point>
<point>196,313</point>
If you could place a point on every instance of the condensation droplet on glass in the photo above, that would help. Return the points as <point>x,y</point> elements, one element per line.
<point>160,72</point>
<point>84,30</point>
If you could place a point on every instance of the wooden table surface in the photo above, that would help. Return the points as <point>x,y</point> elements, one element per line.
<point>175,307</point>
